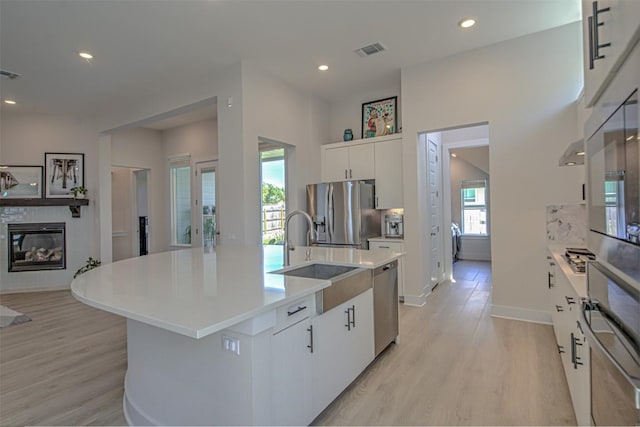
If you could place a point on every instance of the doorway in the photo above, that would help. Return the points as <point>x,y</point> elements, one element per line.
<point>466,190</point>
<point>129,212</point>
<point>206,203</point>
<point>273,179</point>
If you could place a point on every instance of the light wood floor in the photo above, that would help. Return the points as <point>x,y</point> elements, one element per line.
<point>455,365</point>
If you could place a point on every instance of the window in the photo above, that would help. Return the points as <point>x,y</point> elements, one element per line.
<point>474,207</point>
<point>180,175</point>
<point>273,183</point>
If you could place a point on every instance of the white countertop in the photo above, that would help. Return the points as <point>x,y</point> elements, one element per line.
<point>195,293</point>
<point>386,239</point>
<point>577,280</point>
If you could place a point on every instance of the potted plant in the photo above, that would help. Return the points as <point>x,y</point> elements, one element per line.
<point>79,192</point>
<point>91,264</point>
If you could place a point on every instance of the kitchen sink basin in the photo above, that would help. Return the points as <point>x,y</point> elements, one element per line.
<point>318,271</point>
<point>346,282</point>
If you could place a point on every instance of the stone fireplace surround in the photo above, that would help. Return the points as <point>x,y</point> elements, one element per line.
<point>79,245</point>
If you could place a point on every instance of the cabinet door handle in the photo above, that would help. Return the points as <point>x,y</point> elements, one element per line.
<point>551,285</point>
<point>570,300</point>
<point>596,37</point>
<point>590,25</point>
<point>377,203</point>
<point>560,349</point>
<point>310,346</point>
<point>345,174</point>
<point>350,173</point>
<point>559,308</point>
<point>353,316</point>
<point>384,247</point>
<point>575,359</point>
<point>291,313</point>
<point>348,325</point>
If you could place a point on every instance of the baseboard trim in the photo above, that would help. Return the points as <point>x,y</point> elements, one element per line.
<point>133,415</point>
<point>24,291</point>
<point>522,314</point>
<point>416,301</point>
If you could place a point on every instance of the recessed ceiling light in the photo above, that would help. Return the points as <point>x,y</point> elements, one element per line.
<point>467,23</point>
<point>570,163</point>
<point>85,55</point>
<point>580,153</point>
<point>323,67</point>
<point>454,155</point>
<point>630,138</point>
<point>10,101</point>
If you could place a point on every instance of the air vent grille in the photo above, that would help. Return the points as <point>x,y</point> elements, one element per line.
<point>5,73</point>
<point>370,49</point>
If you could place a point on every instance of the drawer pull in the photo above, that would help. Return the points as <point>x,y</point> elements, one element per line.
<point>384,247</point>
<point>291,313</point>
<point>570,300</point>
<point>559,308</point>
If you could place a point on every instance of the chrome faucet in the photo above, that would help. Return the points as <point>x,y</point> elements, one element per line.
<point>287,245</point>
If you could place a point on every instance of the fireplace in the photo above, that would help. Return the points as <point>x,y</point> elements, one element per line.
<point>37,246</point>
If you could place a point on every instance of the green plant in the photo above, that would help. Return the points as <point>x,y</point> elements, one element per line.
<point>271,194</point>
<point>91,264</point>
<point>209,228</point>
<point>187,234</point>
<point>77,191</point>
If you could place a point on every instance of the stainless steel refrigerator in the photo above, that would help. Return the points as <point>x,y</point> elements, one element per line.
<point>343,213</point>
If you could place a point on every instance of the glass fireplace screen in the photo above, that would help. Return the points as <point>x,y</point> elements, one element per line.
<point>37,246</point>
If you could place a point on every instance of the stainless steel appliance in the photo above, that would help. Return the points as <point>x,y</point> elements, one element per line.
<point>343,213</point>
<point>393,226</point>
<point>385,305</point>
<point>613,173</point>
<point>612,320</point>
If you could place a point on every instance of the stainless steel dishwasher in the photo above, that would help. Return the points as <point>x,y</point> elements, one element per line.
<point>385,305</point>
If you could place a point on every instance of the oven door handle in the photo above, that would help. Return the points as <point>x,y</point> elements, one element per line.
<point>595,344</point>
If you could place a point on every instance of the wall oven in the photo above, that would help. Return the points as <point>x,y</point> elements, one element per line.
<point>612,320</point>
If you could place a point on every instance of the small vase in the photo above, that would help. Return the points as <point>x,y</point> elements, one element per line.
<point>348,135</point>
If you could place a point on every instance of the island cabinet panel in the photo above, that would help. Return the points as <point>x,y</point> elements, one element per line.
<point>292,366</point>
<point>343,345</point>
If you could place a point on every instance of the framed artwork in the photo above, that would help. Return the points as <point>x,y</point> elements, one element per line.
<point>63,171</point>
<point>20,182</point>
<point>379,117</point>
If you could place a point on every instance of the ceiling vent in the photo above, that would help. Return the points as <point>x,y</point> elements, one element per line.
<point>9,74</point>
<point>370,50</point>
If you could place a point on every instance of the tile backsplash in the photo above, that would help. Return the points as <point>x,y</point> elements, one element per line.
<point>567,224</point>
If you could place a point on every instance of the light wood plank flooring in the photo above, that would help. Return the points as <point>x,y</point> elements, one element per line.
<point>454,365</point>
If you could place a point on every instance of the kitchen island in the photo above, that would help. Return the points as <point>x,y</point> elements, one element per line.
<point>216,338</point>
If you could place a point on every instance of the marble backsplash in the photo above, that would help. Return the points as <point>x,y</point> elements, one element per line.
<point>567,224</point>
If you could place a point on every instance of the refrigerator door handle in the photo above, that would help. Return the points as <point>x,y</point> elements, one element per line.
<point>330,213</point>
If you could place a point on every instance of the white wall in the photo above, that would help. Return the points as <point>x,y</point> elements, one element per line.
<point>524,88</point>
<point>347,114</point>
<point>278,112</point>
<point>24,139</point>
<point>200,139</point>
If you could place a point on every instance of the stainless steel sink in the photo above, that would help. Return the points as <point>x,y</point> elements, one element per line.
<point>317,271</point>
<point>346,282</point>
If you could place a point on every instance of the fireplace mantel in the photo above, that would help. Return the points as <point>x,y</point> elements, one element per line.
<point>74,204</point>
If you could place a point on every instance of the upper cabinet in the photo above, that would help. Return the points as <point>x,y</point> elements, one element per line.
<point>611,28</point>
<point>347,162</point>
<point>377,158</point>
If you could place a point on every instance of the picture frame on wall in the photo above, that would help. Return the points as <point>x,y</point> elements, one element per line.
<point>63,171</point>
<point>379,117</point>
<point>20,182</point>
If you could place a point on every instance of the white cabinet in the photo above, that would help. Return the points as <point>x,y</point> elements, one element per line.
<point>291,375</point>
<point>620,28</point>
<point>343,345</point>
<point>396,246</point>
<point>343,163</point>
<point>388,174</point>
<point>573,349</point>
<point>315,359</point>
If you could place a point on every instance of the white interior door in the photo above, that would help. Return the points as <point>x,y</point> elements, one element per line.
<point>435,207</point>
<point>205,206</point>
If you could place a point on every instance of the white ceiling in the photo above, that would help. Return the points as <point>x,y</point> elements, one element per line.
<point>477,156</point>
<point>142,47</point>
